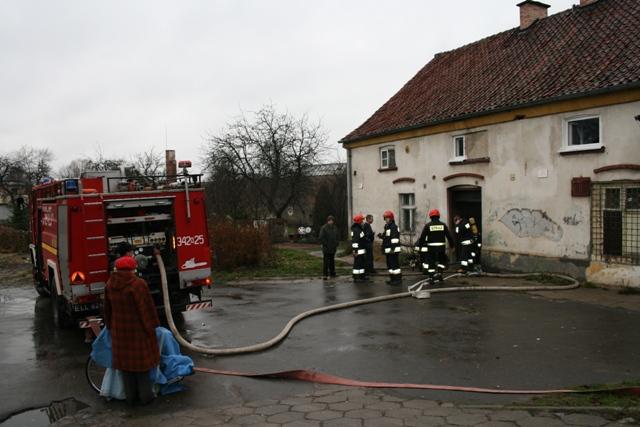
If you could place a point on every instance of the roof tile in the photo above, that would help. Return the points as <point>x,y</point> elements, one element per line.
<point>572,53</point>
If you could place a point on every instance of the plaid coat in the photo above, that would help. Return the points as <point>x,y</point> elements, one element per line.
<point>131,317</point>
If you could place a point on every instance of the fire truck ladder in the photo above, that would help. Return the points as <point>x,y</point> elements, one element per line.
<point>95,238</point>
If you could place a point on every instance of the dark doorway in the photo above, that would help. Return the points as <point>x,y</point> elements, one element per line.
<point>465,200</point>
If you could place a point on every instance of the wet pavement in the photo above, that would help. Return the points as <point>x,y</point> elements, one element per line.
<point>502,339</point>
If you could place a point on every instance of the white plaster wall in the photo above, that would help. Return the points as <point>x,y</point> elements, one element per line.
<point>522,212</point>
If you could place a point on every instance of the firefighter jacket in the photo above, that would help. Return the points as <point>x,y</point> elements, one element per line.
<point>358,240</point>
<point>464,235</point>
<point>391,239</point>
<point>433,234</point>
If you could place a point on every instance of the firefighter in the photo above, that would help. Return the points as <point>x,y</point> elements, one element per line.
<point>391,248</point>
<point>432,245</point>
<point>477,245</point>
<point>467,242</point>
<point>370,236</point>
<point>359,247</point>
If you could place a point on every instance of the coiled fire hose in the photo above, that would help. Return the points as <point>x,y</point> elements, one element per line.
<point>320,377</point>
<point>285,331</point>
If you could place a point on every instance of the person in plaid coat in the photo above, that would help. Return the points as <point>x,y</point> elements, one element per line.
<point>131,317</point>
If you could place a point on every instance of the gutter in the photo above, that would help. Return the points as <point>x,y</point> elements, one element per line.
<point>349,187</point>
<point>634,85</point>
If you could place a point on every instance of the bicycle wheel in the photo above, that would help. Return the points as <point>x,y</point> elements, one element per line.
<point>94,374</point>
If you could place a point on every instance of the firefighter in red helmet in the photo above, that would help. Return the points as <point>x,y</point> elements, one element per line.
<point>359,247</point>
<point>391,248</point>
<point>432,246</point>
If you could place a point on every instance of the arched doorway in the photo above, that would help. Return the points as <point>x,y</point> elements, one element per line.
<point>465,200</point>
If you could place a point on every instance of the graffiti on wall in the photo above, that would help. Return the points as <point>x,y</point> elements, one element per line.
<point>574,216</point>
<point>531,223</point>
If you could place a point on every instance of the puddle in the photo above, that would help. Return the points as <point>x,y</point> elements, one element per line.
<point>40,417</point>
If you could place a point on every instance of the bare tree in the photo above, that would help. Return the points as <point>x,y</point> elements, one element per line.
<point>272,151</point>
<point>148,165</point>
<point>74,169</point>
<point>22,169</point>
<point>99,162</point>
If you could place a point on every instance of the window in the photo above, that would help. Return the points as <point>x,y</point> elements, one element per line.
<point>633,198</point>
<point>458,147</point>
<point>407,212</point>
<point>582,133</point>
<point>387,158</point>
<point>615,224</point>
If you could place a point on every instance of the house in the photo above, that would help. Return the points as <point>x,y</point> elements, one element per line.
<point>534,131</point>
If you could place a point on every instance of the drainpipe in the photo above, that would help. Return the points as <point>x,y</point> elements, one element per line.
<point>349,187</point>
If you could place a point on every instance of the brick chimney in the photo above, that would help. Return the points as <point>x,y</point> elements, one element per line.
<point>586,2</point>
<point>531,11</point>
<point>170,165</point>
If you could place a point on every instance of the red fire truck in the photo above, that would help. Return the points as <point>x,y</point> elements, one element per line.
<point>77,225</point>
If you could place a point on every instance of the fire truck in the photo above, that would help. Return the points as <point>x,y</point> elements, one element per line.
<point>78,224</point>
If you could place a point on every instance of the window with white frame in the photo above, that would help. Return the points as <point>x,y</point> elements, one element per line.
<point>583,133</point>
<point>387,158</point>
<point>459,152</point>
<point>407,212</point>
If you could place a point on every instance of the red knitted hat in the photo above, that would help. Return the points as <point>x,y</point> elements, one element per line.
<point>126,263</point>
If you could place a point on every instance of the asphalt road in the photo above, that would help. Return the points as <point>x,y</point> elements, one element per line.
<point>505,340</point>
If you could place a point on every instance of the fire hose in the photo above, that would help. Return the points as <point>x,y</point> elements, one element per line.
<point>417,290</point>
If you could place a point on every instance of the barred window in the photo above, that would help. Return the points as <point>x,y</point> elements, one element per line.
<point>615,222</point>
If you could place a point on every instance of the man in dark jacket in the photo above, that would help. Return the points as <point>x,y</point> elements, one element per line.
<point>391,248</point>
<point>433,246</point>
<point>329,239</point>
<point>370,236</point>
<point>131,317</point>
<point>359,248</point>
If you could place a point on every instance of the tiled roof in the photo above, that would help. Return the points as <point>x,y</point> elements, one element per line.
<point>577,52</point>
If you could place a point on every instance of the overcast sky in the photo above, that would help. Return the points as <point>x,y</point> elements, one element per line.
<point>78,76</point>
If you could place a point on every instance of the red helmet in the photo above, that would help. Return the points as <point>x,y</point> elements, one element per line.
<point>434,212</point>
<point>358,218</point>
<point>387,214</point>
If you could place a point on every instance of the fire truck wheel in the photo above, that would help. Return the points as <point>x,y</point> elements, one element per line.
<point>61,317</point>
<point>41,289</point>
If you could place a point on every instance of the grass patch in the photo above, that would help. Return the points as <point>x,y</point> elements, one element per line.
<point>547,279</point>
<point>615,399</point>
<point>284,262</point>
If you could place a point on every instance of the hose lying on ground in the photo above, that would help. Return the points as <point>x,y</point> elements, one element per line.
<point>285,331</point>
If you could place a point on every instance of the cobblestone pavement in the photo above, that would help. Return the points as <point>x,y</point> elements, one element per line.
<point>346,407</point>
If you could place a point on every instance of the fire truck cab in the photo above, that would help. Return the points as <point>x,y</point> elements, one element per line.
<point>77,225</point>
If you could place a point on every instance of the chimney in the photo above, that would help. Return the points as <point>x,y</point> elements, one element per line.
<point>587,2</point>
<point>170,165</point>
<point>531,11</point>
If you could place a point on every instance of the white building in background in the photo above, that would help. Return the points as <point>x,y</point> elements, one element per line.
<point>534,131</point>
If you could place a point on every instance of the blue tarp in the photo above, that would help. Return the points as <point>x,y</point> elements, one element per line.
<point>173,365</point>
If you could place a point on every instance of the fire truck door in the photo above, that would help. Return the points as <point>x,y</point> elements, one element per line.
<point>38,243</point>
